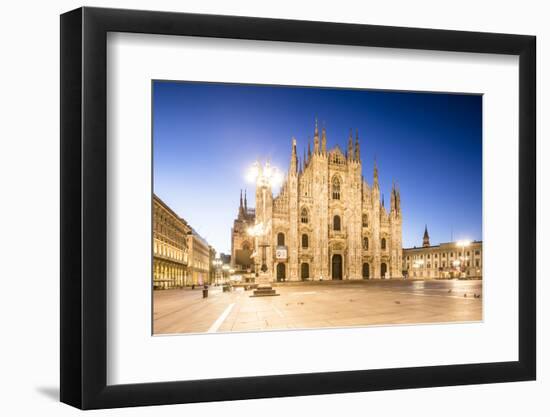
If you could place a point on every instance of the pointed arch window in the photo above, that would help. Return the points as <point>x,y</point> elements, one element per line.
<point>336,188</point>
<point>305,241</point>
<point>365,220</point>
<point>383,244</point>
<point>304,216</point>
<point>280,239</point>
<point>336,223</point>
<point>366,243</point>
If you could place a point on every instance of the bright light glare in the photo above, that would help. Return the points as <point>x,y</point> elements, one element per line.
<point>253,172</point>
<point>256,230</point>
<point>463,243</point>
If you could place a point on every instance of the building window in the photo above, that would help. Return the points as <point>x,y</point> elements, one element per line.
<point>477,252</point>
<point>408,257</point>
<point>444,264</point>
<point>477,262</point>
<point>383,244</point>
<point>366,243</point>
<point>280,239</point>
<point>335,188</point>
<point>305,216</point>
<point>305,241</point>
<point>336,223</point>
<point>365,220</point>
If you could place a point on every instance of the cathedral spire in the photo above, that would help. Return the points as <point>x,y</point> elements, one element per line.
<point>426,238</point>
<point>316,138</point>
<point>324,140</point>
<point>357,151</point>
<point>304,160</point>
<point>375,183</point>
<point>392,198</point>
<point>308,150</point>
<point>293,158</point>
<point>241,208</point>
<point>245,203</point>
<point>350,146</point>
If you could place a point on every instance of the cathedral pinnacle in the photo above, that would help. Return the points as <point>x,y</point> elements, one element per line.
<point>293,158</point>
<point>357,151</point>
<point>350,145</point>
<point>316,138</point>
<point>324,140</point>
<point>375,173</point>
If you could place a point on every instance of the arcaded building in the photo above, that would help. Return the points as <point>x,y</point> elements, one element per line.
<point>170,247</point>
<point>181,257</point>
<point>328,222</point>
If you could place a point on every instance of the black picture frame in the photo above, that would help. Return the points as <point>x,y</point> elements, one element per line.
<point>84,207</point>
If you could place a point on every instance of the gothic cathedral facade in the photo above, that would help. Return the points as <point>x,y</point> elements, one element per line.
<point>327,222</point>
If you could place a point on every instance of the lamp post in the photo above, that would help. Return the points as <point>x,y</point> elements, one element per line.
<point>463,244</point>
<point>225,269</point>
<point>217,262</point>
<point>417,264</point>
<point>265,177</point>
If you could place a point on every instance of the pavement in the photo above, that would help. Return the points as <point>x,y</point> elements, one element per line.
<point>318,305</point>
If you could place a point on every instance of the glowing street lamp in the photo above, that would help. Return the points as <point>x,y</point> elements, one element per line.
<point>462,244</point>
<point>265,176</point>
<point>217,262</point>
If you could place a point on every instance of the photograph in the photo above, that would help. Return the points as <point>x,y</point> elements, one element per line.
<point>300,207</point>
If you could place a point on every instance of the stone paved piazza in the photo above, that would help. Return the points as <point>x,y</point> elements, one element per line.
<point>318,305</point>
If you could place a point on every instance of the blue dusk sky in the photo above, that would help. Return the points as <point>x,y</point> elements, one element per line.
<point>206,136</point>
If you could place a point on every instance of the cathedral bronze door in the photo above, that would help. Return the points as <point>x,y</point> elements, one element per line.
<point>383,270</point>
<point>336,266</point>
<point>366,271</point>
<point>281,272</point>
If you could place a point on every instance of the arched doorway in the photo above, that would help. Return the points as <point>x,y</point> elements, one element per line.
<point>281,272</point>
<point>305,271</point>
<point>366,271</point>
<point>383,270</point>
<point>337,266</point>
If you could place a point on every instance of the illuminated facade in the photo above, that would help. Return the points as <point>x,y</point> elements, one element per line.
<point>170,247</point>
<point>444,261</point>
<point>327,222</point>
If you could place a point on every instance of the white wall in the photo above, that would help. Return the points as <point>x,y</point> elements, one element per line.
<point>29,172</point>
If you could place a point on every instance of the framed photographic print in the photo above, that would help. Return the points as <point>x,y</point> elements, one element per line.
<point>255,208</point>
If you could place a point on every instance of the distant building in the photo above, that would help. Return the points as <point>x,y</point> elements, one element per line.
<point>242,245</point>
<point>170,247</point>
<point>443,261</point>
<point>226,258</point>
<point>200,259</point>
